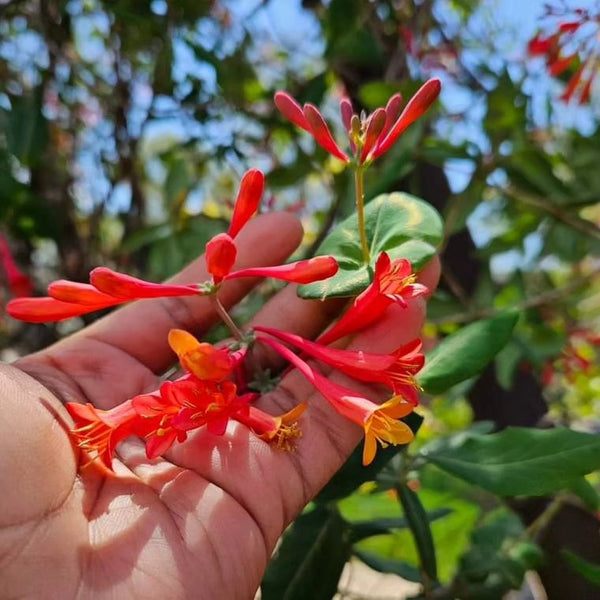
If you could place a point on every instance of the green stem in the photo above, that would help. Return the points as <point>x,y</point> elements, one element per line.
<point>222,312</point>
<point>360,207</point>
<point>544,519</point>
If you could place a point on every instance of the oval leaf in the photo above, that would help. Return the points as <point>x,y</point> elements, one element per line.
<point>400,224</point>
<point>520,461</point>
<point>466,353</point>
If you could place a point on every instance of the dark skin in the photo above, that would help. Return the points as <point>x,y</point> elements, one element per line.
<point>200,522</point>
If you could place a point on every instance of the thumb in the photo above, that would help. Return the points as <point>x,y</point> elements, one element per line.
<point>37,461</point>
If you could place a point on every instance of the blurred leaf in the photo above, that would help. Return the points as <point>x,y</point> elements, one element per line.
<point>397,223</point>
<point>586,492</point>
<point>360,530</point>
<point>388,565</point>
<point>25,128</point>
<point>590,571</point>
<point>521,461</point>
<point>497,558</point>
<point>506,364</point>
<point>465,353</point>
<point>419,527</point>
<point>310,558</point>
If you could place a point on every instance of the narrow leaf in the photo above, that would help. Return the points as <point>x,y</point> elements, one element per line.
<point>419,527</point>
<point>388,565</point>
<point>588,570</point>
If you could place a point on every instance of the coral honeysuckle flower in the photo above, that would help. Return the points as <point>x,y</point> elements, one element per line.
<point>369,137</point>
<point>202,360</point>
<point>280,431</point>
<point>247,201</point>
<point>393,282</point>
<point>69,299</point>
<point>395,370</point>
<point>379,422</point>
<point>155,413</point>
<point>97,432</point>
<point>221,253</point>
<point>46,309</point>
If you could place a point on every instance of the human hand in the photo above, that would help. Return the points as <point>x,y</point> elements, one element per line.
<point>200,522</point>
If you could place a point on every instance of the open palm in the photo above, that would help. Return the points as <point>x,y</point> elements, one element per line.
<point>200,522</point>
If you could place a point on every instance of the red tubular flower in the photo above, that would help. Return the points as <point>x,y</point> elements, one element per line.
<point>370,137</point>
<point>127,287</point>
<point>248,200</point>
<point>395,370</point>
<point>211,404</point>
<point>393,282</point>
<point>379,422</point>
<point>416,107</point>
<point>310,119</point>
<point>97,432</point>
<point>302,271</point>
<point>46,309</point>
<point>279,431</point>
<point>321,133</point>
<point>202,360</point>
<point>220,256</point>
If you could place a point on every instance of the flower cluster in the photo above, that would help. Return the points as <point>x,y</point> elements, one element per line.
<point>370,136</point>
<point>67,299</point>
<point>213,389</point>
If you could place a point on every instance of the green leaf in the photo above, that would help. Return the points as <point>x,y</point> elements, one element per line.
<point>589,570</point>
<point>353,473</point>
<point>521,461</point>
<point>389,565</point>
<point>364,529</point>
<point>466,353</point>
<point>310,559</point>
<point>400,224</point>
<point>419,525</point>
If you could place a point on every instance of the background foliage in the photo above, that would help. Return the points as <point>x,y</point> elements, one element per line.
<point>124,129</point>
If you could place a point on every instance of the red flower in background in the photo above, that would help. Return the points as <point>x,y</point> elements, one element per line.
<point>369,137</point>
<point>572,47</point>
<point>17,283</point>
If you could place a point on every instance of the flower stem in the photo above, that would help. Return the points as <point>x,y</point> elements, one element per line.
<point>360,207</point>
<point>222,312</point>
